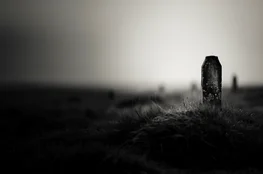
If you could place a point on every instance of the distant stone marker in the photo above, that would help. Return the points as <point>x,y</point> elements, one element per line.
<point>111,95</point>
<point>161,89</point>
<point>212,81</point>
<point>234,84</point>
<point>194,87</point>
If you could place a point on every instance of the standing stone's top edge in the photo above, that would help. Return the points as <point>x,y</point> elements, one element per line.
<point>211,57</point>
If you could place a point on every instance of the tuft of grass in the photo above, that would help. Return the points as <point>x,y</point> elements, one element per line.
<point>199,137</point>
<point>149,138</point>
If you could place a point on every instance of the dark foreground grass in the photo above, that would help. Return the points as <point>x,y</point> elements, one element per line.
<point>152,140</point>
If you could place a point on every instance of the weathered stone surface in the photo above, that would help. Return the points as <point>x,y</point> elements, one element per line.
<point>212,81</point>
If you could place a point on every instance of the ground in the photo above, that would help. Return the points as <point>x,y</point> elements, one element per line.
<point>47,130</point>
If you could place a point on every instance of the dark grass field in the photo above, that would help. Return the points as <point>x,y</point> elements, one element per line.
<point>85,131</point>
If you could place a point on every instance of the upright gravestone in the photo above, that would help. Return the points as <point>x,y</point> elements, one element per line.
<point>212,81</point>
<point>234,84</point>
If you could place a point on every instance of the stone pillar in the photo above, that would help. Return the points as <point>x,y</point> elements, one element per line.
<point>234,84</point>
<point>212,81</point>
<point>111,95</point>
<point>161,89</point>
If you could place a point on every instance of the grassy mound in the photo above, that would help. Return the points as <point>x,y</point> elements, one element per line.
<point>197,138</point>
<point>152,140</point>
<point>200,138</point>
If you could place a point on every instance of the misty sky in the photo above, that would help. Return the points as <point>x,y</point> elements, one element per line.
<point>138,43</point>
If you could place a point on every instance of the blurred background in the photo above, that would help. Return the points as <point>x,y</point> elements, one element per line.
<point>106,50</point>
<point>134,45</point>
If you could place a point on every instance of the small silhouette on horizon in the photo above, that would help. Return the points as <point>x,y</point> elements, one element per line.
<point>234,83</point>
<point>161,89</point>
<point>194,87</point>
<point>111,95</point>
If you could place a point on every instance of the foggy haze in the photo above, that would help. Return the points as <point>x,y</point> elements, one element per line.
<point>130,43</point>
